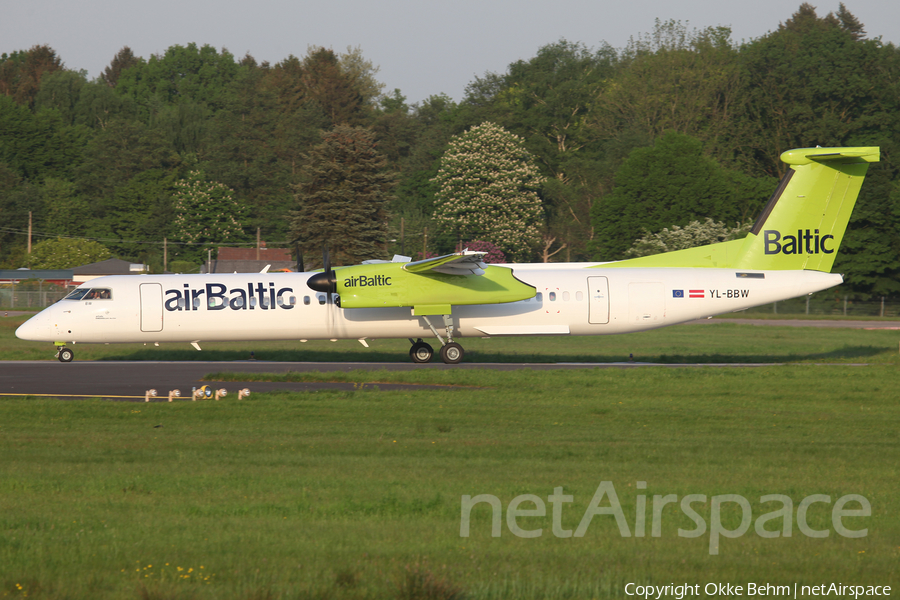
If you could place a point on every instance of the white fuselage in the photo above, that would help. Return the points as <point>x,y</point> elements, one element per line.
<point>571,299</point>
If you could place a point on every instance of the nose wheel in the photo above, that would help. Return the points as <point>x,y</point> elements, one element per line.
<point>64,354</point>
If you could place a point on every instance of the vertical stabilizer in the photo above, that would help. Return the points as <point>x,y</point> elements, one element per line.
<point>804,222</point>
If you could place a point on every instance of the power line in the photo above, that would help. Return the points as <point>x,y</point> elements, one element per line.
<point>148,242</point>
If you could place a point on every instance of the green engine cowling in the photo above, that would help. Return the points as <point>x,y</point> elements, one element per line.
<point>428,293</point>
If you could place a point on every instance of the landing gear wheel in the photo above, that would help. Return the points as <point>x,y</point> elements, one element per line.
<point>452,353</point>
<point>65,355</point>
<point>421,352</point>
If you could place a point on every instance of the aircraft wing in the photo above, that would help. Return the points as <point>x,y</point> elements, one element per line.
<point>460,263</point>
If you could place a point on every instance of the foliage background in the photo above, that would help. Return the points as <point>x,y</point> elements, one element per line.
<point>99,159</point>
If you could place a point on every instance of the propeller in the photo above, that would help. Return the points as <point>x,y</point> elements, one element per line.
<point>326,282</point>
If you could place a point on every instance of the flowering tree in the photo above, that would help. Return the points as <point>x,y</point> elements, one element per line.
<point>691,235</point>
<point>488,190</point>
<point>206,214</point>
<point>494,254</point>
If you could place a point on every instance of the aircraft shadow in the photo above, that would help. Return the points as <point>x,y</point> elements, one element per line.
<point>371,355</point>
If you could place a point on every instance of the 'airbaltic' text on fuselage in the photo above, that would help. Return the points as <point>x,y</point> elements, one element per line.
<point>219,297</point>
<point>363,281</point>
<point>811,242</point>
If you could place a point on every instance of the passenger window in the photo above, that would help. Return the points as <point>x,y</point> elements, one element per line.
<point>181,304</point>
<point>253,302</point>
<point>196,302</point>
<point>566,296</point>
<point>306,300</point>
<point>321,298</point>
<point>552,296</point>
<point>238,302</point>
<point>539,297</point>
<point>579,296</point>
<point>289,301</point>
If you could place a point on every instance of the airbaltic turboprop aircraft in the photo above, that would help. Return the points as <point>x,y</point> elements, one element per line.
<point>788,253</point>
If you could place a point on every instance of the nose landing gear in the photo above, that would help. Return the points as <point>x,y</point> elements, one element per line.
<point>64,354</point>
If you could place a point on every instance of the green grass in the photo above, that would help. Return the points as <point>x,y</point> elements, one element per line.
<point>706,343</point>
<point>357,494</point>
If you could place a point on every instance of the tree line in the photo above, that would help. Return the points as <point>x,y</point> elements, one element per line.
<point>680,125</point>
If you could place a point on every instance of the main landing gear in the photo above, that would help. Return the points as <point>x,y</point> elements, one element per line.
<point>64,354</point>
<point>451,352</point>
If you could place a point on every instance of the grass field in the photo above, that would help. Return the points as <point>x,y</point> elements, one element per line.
<point>358,494</point>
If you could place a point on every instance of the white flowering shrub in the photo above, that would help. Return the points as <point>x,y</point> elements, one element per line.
<point>206,213</point>
<point>691,235</point>
<point>488,190</point>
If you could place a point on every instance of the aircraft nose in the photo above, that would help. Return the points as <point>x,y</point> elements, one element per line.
<point>35,329</point>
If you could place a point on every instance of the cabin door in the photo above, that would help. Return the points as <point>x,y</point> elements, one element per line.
<point>151,307</point>
<point>598,300</point>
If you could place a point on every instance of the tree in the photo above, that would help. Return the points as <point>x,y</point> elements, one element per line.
<point>61,203</point>
<point>123,59</point>
<point>206,215</point>
<point>676,79</point>
<point>182,75</point>
<point>816,81</point>
<point>552,101</point>
<point>37,145</point>
<point>670,183</point>
<point>65,253</point>
<point>342,197</point>
<point>494,254</point>
<point>21,72</point>
<point>60,90</point>
<point>362,73</point>
<point>691,235</point>
<point>489,190</point>
<point>326,83</point>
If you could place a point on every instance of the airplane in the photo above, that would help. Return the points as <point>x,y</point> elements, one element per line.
<point>788,253</point>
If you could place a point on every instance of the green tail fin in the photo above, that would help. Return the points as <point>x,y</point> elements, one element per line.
<point>802,225</point>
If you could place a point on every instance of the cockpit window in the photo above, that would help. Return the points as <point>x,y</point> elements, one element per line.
<point>99,294</point>
<point>77,294</point>
<point>89,294</point>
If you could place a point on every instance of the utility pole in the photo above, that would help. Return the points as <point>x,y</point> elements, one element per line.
<point>165,254</point>
<point>29,232</point>
<point>425,244</point>
<point>257,243</point>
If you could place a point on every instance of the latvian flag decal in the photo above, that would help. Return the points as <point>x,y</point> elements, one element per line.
<point>696,293</point>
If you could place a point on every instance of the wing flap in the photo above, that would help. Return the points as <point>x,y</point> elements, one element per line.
<point>459,263</point>
<point>523,329</point>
